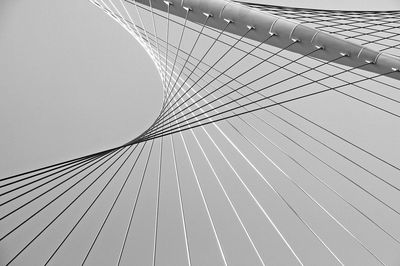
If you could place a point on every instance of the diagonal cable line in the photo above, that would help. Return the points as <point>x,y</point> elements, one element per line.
<point>306,169</point>
<point>113,205</point>
<point>174,130</point>
<point>40,185</point>
<point>259,78</point>
<point>299,63</point>
<point>45,206</point>
<point>347,178</point>
<point>201,59</point>
<point>155,31</point>
<point>50,189</point>
<point>329,131</point>
<point>298,186</point>
<point>245,72</point>
<point>303,65</point>
<point>181,207</point>
<point>134,206</point>
<point>191,51</point>
<point>205,54</point>
<point>49,167</point>
<point>205,202</point>
<point>67,167</point>
<point>261,208</point>
<point>263,107</point>
<point>368,171</point>
<point>247,84</point>
<point>311,174</point>
<point>178,49</point>
<point>156,223</point>
<point>91,205</point>
<point>315,124</point>
<point>58,215</point>
<point>316,202</point>
<point>228,198</point>
<point>167,38</point>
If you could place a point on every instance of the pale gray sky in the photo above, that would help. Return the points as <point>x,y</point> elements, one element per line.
<point>74,82</point>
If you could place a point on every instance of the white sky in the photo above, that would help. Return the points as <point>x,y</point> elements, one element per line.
<point>59,61</point>
<point>73,81</point>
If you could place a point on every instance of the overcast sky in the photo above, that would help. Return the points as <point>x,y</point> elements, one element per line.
<point>73,81</point>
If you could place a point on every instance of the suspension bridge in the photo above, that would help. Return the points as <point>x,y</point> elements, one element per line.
<point>263,152</point>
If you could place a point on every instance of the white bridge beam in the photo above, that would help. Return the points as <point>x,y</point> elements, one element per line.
<point>286,32</point>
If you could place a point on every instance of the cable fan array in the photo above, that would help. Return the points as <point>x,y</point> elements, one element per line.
<point>267,150</point>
